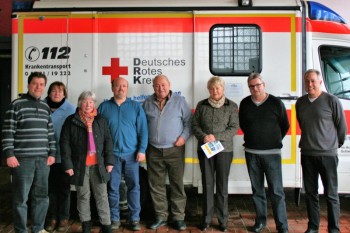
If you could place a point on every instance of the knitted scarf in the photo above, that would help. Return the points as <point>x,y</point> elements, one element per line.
<point>54,105</point>
<point>88,119</point>
<point>217,103</point>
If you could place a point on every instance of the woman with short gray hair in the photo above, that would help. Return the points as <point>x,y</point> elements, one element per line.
<point>87,157</point>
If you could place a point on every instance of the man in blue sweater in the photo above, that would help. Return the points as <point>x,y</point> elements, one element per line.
<point>323,131</point>
<point>169,125</point>
<point>128,126</point>
<point>264,122</point>
<point>30,149</point>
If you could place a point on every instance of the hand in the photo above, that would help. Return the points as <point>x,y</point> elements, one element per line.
<point>109,168</point>
<point>70,172</point>
<point>209,138</point>
<point>50,160</point>
<point>12,162</point>
<point>140,157</point>
<point>180,141</point>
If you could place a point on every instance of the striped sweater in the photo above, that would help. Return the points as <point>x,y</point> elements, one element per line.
<point>27,130</point>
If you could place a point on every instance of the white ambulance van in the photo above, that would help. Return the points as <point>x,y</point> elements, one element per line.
<point>86,44</point>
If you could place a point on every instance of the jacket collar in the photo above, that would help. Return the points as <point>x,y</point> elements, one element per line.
<point>29,97</point>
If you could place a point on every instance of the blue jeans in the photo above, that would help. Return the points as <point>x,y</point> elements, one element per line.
<point>32,175</point>
<point>130,166</point>
<point>269,165</point>
<point>326,167</point>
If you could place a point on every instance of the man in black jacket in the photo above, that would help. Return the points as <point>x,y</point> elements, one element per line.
<point>264,122</point>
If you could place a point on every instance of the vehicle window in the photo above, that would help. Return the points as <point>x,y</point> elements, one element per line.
<point>335,62</point>
<point>235,49</point>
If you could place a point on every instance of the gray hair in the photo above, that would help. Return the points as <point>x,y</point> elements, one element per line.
<point>254,76</point>
<point>86,95</point>
<point>216,80</point>
<point>160,76</point>
<point>309,71</point>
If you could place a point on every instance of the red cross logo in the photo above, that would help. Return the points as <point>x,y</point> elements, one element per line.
<point>115,70</point>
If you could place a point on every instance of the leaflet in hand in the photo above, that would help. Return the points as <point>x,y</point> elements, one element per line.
<point>212,148</point>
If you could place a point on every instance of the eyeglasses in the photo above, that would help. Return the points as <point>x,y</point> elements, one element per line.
<point>254,86</point>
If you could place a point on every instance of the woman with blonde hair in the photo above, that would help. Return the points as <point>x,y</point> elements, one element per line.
<point>215,119</point>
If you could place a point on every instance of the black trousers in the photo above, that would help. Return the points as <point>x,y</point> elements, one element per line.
<point>217,168</point>
<point>326,167</point>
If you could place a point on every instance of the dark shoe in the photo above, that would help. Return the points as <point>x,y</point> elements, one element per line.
<point>258,227</point>
<point>180,225</point>
<point>135,225</point>
<point>158,223</point>
<point>86,227</point>
<point>204,226</point>
<point>63,225</point>
<point>50,225</point>
<point>106,229</point>
<point>223,228</point>
<point>309,230</point>
<point>115,225</point>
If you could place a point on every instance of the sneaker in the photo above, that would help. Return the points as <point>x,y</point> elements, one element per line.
<point>50,225</point>
<point>123,206</point>
<point>135,225</point>
<point>63,225</point>
<point>115,225</point>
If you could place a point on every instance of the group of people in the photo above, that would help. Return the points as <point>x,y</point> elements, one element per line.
<point>49,144</point>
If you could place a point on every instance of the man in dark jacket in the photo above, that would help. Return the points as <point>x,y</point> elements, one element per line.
<point>263,120</point>
<point>29,146</point>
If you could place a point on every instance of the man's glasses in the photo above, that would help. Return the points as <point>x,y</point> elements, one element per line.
<point>254,86</point>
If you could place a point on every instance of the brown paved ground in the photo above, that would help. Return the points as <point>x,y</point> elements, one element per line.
<point>240,209</point>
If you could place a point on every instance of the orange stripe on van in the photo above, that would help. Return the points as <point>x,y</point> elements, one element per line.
<point>347,117</point>
<point>108,25</point>
<point>298,131</point>
<point>171,24</point>
<point>150,25</point>
<point>14,26</point>
<point>267,23</point>
<point>327,27</point>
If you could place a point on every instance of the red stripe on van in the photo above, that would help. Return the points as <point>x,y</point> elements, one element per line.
<point>108,25</point>
<point>267,24</point>
<point>150,25</point>
<point>347,117</point>
<point>298,131</point>
<point>14,26</point>
<point>327,27</point>
<point>289,131</point>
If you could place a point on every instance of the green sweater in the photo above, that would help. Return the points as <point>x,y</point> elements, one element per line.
<point>27,130</point>
<point>221,122</point>
<point>322,123</point>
